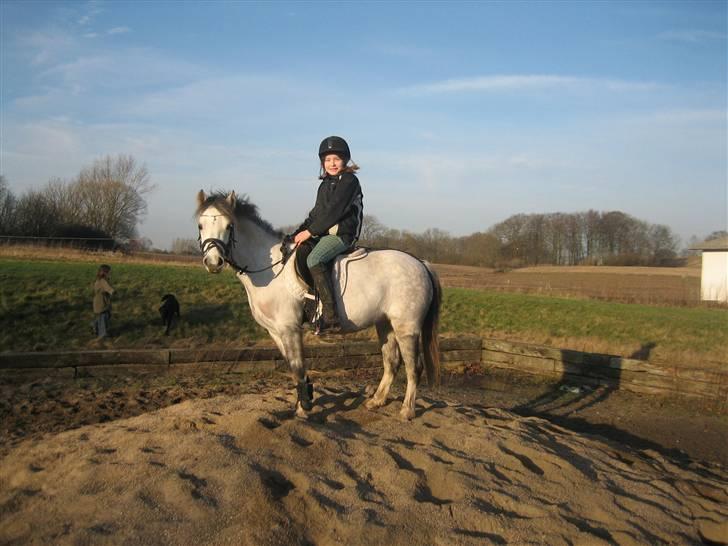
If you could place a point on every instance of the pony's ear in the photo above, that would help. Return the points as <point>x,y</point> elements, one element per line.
<point>201,198</point>
<point>231,199</point>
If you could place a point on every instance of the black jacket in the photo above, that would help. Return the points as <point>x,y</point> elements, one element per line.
<point>339,209</point>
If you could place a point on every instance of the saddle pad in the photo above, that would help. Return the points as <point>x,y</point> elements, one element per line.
<point>304,249</point>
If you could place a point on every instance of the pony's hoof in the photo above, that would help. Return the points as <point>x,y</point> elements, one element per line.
<point>300,412</point>
<point>406,414</point>
<point>373,404</point>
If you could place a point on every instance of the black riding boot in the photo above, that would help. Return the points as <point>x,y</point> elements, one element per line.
<point>322,280</point>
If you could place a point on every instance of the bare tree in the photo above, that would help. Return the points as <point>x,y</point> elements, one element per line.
<point>110,194</point>
<point>185,246</point>
<point>371,229</point>
<point>7,207</point>
<point>34,215</point>
<point>716,235</point>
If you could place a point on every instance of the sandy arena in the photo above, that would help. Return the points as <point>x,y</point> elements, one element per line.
<point>243,470</point>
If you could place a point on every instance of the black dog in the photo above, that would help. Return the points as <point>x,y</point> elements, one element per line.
<point>169,310</point>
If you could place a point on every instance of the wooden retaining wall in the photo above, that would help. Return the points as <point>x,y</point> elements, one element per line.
<point>456,354</point>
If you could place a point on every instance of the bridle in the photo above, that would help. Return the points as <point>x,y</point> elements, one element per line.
<point>225,249</point>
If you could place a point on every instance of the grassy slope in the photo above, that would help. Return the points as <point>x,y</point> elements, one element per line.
<point>677,334</point>
<point>46,305</point>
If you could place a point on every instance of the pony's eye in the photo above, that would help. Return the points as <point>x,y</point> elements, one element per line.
<point>199,226</point>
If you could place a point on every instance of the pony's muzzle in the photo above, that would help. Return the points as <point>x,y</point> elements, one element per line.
<point>213,262</point>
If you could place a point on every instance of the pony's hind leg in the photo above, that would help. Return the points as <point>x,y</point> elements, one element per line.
<point>409,345</point>
<point>391,359</point>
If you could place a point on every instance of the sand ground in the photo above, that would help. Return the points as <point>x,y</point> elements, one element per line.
<point>233,465</point>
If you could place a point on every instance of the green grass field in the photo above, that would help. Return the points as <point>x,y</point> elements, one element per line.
<point>46,305</point>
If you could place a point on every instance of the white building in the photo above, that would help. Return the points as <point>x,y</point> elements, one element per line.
<point>714,277</point>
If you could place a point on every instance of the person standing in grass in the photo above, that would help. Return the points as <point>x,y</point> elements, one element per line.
<point>102,301</point>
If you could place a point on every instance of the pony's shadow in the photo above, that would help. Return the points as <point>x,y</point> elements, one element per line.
<point>331,402</point>
<point>208,314</point>
<point>571,394</point>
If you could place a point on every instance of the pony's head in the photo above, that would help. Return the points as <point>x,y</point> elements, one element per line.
<point>216,225</point>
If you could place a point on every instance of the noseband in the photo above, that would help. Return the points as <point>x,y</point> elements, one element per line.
<point>224,248</point>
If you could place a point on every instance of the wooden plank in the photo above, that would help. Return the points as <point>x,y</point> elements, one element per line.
<point>518,362</point>
<point>180,356</point>
<point>709,390</point>
<point>361,348</point>
<point>469,355</point>
<point>121,370</point>
<point>566,367</point>
<point>462,343</point>
<point>95,358</point>
<point>521,349</point>
<point>647,380</point>
<point>9,361</point>
<point>311,351</point>
<point>82,358</point>
<point>349,362</point>
<point>27,374</point>
<point>252,366</point>
<point>634,365</point>
<point>705,376</point>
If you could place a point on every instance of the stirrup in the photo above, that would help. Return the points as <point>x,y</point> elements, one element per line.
<point>323,328</point>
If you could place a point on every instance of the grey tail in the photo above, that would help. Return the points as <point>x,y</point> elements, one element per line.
<point>430,343</point>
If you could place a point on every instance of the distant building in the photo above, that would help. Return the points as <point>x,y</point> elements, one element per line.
<point>714,277</point>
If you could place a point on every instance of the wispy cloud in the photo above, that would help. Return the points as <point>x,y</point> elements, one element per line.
<point>118,30</point>
<point>135,67</point>
<point>522,82</point>
<point>92,9</point>
<point>693,36</point>
<point>43,47</point>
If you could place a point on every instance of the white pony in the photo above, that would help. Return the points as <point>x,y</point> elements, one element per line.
<point>395,292</point>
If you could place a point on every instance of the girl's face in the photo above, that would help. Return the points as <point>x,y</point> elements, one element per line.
<point>333,164</point>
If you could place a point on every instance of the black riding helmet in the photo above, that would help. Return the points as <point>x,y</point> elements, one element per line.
<point>334,145</point>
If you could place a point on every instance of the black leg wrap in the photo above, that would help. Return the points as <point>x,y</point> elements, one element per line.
<point>305,394</point>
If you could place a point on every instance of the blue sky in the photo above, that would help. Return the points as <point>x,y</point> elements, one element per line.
<point>460,114</point>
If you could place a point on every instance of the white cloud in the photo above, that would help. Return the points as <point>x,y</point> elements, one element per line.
<point>90,35</point>
<point>523,82</point>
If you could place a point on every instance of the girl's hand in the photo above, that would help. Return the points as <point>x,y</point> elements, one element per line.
<point>302,236</point>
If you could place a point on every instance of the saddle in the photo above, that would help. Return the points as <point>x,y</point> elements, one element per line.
<point>311,308</point>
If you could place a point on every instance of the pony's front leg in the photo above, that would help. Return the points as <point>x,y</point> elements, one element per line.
<point>290,343</point>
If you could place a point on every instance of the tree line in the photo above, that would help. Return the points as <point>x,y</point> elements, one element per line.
<point>591,238</point>
<point>104,203</point>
